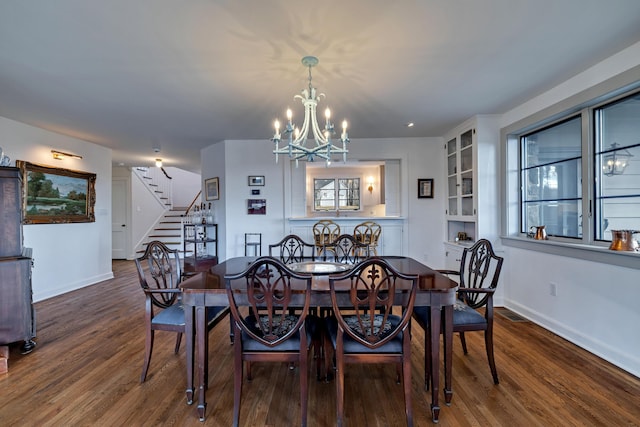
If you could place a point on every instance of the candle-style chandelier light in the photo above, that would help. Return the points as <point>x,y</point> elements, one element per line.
<point>296,144</point>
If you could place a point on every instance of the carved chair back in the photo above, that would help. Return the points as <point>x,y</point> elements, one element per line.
<point>159,273</point>
<point>374,285</point>
<point>479,269</point>
<point>368,233</point>
<point>269,289</point>
<point>292,249</point>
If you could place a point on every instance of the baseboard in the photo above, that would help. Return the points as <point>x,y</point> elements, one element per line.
<point>49,293</point>
<point>627,362</point>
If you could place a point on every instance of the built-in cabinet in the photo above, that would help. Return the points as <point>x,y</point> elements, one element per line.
<point>472,157</point>
<point>200,246</point>
<point>17,316</point>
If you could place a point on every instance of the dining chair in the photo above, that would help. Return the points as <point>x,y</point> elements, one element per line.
<point>325,231</point>
<point>159,273</point>
<point>265,329</point>
<point>292,249</point>
<point>345,249</point>
<point>355,336</point>
<point>368,232</point>
<point>478,278</point>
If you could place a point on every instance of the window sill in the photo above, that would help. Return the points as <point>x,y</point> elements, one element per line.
<point>599,254</point>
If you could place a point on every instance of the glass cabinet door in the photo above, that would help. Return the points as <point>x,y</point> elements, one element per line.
<point>452,177</point>
<point>460,175</point>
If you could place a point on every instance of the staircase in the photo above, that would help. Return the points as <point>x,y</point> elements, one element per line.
<point>158,183</point>
<point>168,230</point>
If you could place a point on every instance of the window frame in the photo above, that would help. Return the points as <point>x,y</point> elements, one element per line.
<point>336,194</point>
<point>580,199</point>
<point>584,103</point>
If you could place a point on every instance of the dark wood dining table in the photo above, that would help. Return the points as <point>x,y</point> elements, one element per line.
<point>207,289</point>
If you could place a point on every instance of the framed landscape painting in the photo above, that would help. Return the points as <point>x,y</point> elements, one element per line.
<point>55,196</point>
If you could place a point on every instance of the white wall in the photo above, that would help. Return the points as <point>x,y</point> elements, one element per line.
<point>213,161</point>
<point>596,303</point>
<point>66,256</point>
<point>183,180</point>
<point>420,158</point>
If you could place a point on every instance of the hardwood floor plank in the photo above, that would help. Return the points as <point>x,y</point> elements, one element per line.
<point>85,372</point>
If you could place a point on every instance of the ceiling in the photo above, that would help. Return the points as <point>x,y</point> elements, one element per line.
<point>134,75</point>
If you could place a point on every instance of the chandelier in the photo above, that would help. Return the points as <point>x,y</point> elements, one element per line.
<point>296,144</point>
<point>616,161</point>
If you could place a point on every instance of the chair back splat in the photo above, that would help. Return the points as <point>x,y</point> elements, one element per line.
<point>292,249</point>
<point>358,335</point>
<point>345,249</point>
<point>265,328</point>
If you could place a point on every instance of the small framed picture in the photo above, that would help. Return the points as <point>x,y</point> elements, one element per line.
<point>255,192</point>
<point>425,188</point>
<point>211,189</point>
<point>256,206</point>
<point>255,181</point>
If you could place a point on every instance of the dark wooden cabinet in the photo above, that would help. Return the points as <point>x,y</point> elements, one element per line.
<point>17,316</point>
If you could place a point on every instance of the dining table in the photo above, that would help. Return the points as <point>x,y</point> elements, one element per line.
<point>207,289</point>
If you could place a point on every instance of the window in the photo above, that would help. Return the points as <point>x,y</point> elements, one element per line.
<point>579,175</point>
<point>551,174</point>
<point>345,190</point>
<point>617,166</point>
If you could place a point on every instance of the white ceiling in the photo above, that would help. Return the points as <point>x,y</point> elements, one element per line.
<point>132,75</point>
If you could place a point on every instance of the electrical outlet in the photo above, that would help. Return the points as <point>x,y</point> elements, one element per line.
<point>553,289</point>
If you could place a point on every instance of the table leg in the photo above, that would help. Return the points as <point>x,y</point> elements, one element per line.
<point>434,321</point>
<point>188,329</point>
<point>448,352</point>
<point>201,337</point>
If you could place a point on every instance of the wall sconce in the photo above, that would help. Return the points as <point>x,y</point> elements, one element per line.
<point>616,161</point>
<point>59,155</point>
<point>158,163</point>
<point>370,187</point>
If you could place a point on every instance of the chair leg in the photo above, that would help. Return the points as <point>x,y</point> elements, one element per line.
<point>464,342</point>
<point>148,348</point>
<point>427,358</point>
<point>249,374</point>
<point>318,353</point>
<point>329,358</point>
<point>406,380</point>
<point>178,340</point>
<point>304,385</point>
<point>339,388</point>
<point>237,382</point>
<point>488,342</point>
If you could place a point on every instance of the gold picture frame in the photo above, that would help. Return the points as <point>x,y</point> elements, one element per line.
<point>55,195</point>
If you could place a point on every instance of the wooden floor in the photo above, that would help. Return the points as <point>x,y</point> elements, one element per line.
<point>86,367</point>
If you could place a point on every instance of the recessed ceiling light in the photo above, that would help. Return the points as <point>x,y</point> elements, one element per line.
<point>410,124</point>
